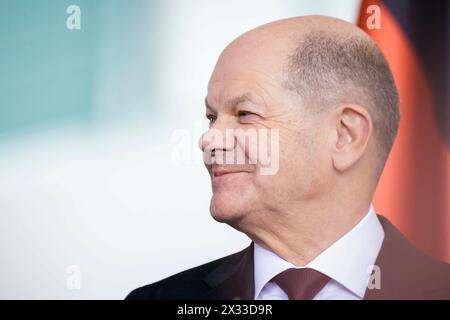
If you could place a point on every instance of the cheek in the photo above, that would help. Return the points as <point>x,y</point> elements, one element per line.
<point>299,166</point>
<point>295,151</point>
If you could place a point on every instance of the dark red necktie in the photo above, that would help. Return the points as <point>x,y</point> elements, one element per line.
<point>301,284</point>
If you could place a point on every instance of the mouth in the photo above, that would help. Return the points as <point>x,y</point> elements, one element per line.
<point>222,173</point>
<point>219,172</point>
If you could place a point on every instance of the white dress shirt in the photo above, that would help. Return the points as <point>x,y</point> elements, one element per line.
<point>348,262</point>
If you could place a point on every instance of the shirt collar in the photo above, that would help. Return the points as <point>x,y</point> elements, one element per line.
<point>348,261</point>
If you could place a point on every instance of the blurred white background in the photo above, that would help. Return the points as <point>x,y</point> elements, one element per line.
<point>104,193</point>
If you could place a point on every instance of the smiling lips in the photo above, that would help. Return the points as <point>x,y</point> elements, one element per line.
<point>222,171</point>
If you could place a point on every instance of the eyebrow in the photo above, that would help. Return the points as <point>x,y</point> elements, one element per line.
<point>232,103</point>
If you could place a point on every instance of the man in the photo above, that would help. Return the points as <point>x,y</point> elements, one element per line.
<point>324,86</point>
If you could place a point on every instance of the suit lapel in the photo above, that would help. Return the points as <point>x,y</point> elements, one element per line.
<point>233,279</point>
<point>396,261</point>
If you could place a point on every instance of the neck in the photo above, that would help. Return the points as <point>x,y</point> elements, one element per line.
<point>299,235</point>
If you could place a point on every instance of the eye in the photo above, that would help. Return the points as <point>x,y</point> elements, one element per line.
<point>245,114</point>
<point>211,118</point>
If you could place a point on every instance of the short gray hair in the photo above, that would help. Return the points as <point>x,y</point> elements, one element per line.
<point>326,70</point>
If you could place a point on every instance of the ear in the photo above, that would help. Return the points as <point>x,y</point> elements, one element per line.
<point>353,130</point>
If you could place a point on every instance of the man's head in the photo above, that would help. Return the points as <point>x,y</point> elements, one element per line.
<point>327,90</point>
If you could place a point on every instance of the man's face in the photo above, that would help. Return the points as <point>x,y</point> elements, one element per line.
<point>260,150</point>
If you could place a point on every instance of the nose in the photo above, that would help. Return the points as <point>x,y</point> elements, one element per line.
<point>216,139</point>
<point>219,139</point>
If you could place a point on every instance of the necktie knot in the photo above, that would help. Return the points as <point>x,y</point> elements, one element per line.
<point>301,284</point>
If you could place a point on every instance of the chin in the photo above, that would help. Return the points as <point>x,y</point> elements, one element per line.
<point>227,209</point>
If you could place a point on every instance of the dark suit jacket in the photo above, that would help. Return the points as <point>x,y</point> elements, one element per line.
<point>406,273</point>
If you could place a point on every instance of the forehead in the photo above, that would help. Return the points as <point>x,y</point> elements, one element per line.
<point>255,85</point>
<point>251,64</point>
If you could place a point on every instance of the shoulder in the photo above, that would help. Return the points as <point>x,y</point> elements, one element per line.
<point>432,275</point>
<point>188,284</point>
<point>406,272</point>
